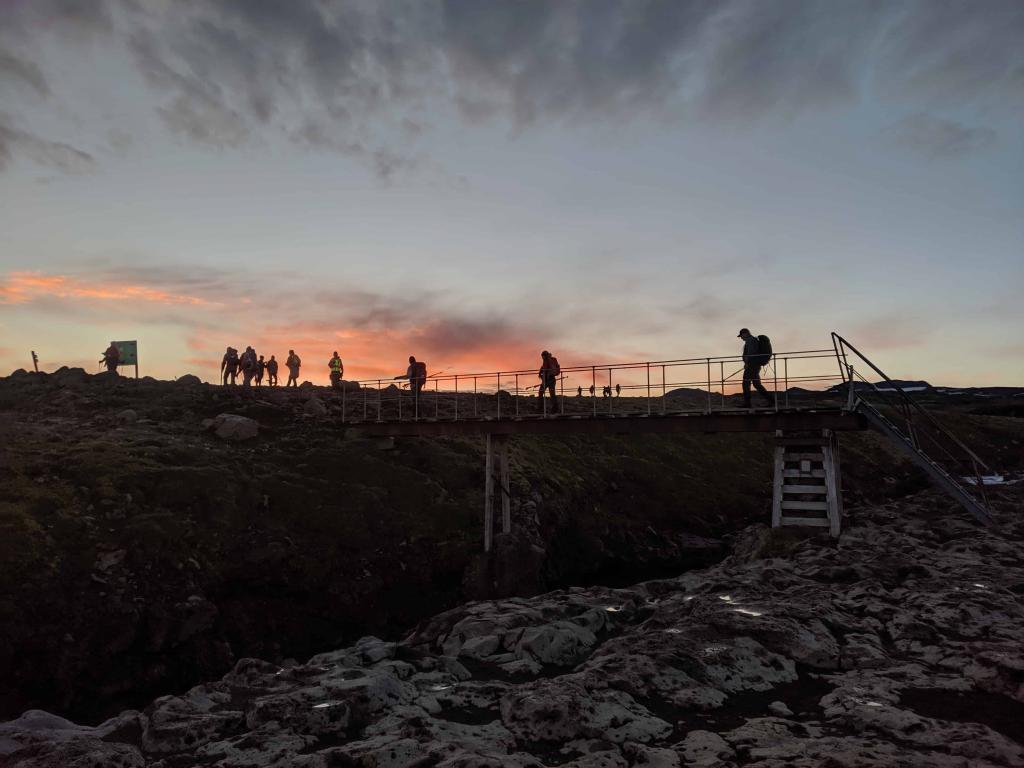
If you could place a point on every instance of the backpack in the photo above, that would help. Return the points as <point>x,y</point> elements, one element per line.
<point>419,370</point>
<point>553,367</point>
<point>764,348</point>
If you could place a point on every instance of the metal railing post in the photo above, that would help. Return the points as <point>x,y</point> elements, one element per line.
<point>611,396</point>
<point>785,371</point>
<point>475,413</point>
<point>499,395</point>
<point>380,402</point>
<point>365,411</point>
<point>456,397</point>
<point>437,399</point>
<point>850,395</point>
<point>593,388</point>
<point>517,395</point>
<point>775,383</point>
<point>709,385</point>
<point>648,389</point>
<point>399,403</point>
<point>665,399</point>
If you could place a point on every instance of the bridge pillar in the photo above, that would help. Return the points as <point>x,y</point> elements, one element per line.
<point>496,468</point>
<point>808,487</point>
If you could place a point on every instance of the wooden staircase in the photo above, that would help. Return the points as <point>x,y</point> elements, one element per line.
<point>807,490</point>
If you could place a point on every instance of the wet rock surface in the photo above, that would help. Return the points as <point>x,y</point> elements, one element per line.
<point>902,644</point>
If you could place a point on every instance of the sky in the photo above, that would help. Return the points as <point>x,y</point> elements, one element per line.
<point>473,181</point>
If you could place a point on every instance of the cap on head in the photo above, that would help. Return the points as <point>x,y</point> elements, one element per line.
<point>743,332</point>
<point>545,353</point>
<point>412,359</point>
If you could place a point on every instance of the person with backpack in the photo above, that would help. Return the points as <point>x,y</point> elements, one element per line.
<point>111,357</point>
<point>337,370</point>
<point>757,351</point>
<point>293,363</point>
<point>229,366</point>
<point>416,373</point>
<point>248,366</point>
<point>261,366</point>
<point>548,375</point>
<point>272,371</point>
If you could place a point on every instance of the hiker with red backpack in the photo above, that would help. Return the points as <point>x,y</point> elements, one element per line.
<point>757,351</point>
<point>548,374</point>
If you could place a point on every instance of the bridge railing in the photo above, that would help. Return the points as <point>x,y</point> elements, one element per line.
<point>902,411</point>
<point>651,388</point>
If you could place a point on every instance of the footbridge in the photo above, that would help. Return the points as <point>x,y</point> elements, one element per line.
<point>814,396</point>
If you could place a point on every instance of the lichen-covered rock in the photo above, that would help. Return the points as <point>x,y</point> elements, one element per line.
<point>229,426</point>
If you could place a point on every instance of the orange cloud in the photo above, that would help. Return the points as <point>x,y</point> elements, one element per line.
<point>25,287</point>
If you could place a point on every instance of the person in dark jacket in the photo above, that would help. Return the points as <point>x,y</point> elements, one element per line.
<point>261,367</point>
<point>229,366</point>
<point>752,362</point>
<point>272,371</point>
<point>111,357</point>
<point>548,375</point>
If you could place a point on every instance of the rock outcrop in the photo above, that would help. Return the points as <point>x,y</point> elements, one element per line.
<point>901,645</point>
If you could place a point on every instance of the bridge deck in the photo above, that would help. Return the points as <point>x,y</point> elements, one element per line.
<point>672,423</point>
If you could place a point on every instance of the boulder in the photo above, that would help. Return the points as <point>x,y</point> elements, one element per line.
<point>230,426</point>
<point>188,378</point>
<point>314,407</point>
<point>127,416</point>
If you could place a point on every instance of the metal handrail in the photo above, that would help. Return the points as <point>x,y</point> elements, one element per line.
<point>906,400</point>
<point>800,354</point>
<point>500,394</point>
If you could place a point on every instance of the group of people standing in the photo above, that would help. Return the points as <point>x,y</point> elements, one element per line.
<point>253,368</point>
<point>756,354</point>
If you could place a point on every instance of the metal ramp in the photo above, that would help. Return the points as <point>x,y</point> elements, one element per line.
<point>892,412</point>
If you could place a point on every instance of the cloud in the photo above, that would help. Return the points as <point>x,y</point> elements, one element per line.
<point>27,287</point>
<point>351,77</point>
<point>936,137</point>
<point>23,73</point>
<point>891,330</point>
<point>375,332</point>
<point>51,154</point>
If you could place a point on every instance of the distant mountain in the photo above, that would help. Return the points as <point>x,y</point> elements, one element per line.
<point>925,387</point>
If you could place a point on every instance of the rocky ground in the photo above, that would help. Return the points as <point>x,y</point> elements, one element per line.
<point>902,644</point>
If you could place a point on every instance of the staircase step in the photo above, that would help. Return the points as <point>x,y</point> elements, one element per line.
<point>820,506</point>
<point>803,474</point>
<point>821,522</point>
<point>818,489</point>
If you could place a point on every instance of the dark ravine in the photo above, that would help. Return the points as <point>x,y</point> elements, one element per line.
<point>898,645</point>
<point>142,554</point>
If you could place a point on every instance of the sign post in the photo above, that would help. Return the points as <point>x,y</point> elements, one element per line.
<point>128,354</point>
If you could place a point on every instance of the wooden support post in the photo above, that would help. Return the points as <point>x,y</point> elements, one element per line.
<point>780,467</point>
<point>489,495</point>
<point>830,456</point>
<point>506,490</point>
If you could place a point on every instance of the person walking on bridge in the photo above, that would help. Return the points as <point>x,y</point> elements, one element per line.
<point>753,358</point>
<point>293,364</point>
<point>548,375</point>
<point>416,373</point>
<point>337,370</point>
